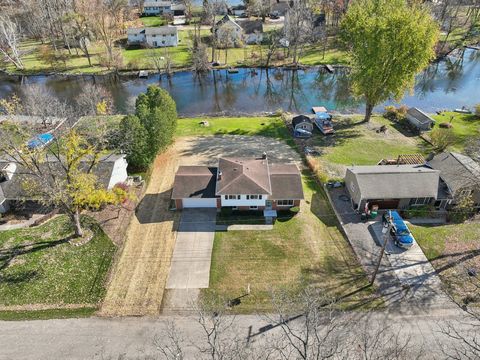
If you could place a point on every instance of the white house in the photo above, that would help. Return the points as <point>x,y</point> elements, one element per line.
<point>154,36</point>
<point>252,31</point>
<point>157,7</point>
<point>228,24</point>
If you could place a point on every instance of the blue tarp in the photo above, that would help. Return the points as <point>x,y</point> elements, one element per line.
<point>40,140</point>
<point>323,116</point>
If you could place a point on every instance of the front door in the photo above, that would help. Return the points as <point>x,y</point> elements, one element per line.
<point>268,204</point>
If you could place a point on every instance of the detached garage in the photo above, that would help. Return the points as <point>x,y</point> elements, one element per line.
<point>194,187</point>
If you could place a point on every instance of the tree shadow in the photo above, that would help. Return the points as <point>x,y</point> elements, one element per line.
<point>154,208</point>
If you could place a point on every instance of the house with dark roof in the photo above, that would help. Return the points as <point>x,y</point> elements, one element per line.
<point>392,186</point>
<point>239,184</point>
<point>418,119</point>
<point>110,170</point>
<point>252,31</point>
<point>459,177</point>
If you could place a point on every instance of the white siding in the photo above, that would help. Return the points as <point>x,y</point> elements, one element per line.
<point>243,201</point>
<point>4,206</point>
<point>136,38</point>
<point>199,203</point>
<point>119,172</point>
<point>163,40</point>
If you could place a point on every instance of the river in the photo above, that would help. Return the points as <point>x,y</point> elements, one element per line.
<point>449,84</point>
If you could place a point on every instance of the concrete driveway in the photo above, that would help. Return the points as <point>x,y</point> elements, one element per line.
<point>190,267</point>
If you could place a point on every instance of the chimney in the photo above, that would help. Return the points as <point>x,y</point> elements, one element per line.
<point>264,155</point>
<point>219,177</point>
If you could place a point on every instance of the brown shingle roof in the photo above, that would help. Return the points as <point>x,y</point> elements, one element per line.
<point>243,176</point>
<point>194,182</point>
<point>286,182</point>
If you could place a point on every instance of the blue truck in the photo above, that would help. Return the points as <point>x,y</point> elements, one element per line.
<point>400,232</point>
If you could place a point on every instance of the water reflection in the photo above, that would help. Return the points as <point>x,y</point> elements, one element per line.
<point>451,83</point>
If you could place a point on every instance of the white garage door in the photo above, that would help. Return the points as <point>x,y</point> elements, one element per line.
<point>199,203</point>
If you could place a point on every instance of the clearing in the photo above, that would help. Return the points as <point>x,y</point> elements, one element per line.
<point>40,269</point>
<point>452,250</point>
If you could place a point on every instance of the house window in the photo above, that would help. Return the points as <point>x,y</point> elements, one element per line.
<point>285,202</point>
<point>163,42</point>
<point>253,207</point>
<point>252,197</point>
<point>260,197</point>
<point>419,201</point>
<point>232,197</point>
<point>352,187</point>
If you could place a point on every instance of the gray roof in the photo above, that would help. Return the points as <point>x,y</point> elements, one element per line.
<point>157,3</point>
<point>161,30</point>
<point>286,182</point>
<point>420,115</point>
<point>251,26</point>
<point>13,189</point>
<point>194,182</point>
<point>224,20</point>
<point>396,181</point>
<point>300,119</point>
<point>457,170</point>
<point>135,31</point>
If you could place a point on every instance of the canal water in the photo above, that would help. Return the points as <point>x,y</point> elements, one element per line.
<point>449,84</point>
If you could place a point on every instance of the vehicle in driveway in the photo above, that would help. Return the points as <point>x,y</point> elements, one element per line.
<point>400,232</point>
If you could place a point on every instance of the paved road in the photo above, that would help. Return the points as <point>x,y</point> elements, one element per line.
<point>133,338</point>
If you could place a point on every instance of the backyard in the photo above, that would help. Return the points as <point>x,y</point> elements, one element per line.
<point>453,249</point>
<point>464,126</point>
<point>359,143</point>
<point>41,270</point>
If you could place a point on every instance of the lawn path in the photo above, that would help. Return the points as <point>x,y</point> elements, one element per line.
<point>141,270</point>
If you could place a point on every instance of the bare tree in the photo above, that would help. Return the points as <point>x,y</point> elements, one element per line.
<point>170,343</point>
<point>94,100</point>
<point>226,38</point>
<point>273,39</point>
<point>260,8</point>
<point>298,28</point>
<point>162,62</point>
<point>9,41</point>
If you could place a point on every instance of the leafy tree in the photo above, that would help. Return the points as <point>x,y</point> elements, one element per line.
<point>152,127</point>
<point>134,137</point>
<point>389,41</point>
<point>62,174</point>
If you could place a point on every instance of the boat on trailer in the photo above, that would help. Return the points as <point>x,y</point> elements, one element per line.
<point>323,120</point>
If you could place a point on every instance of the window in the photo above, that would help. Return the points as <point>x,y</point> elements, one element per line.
<point>285,202</point>
<point>419,201</point>
<point>252,197</point>
<point>352,187</point>
<point>260,197</point>
<point>253,207</point>
<point>232,197</point>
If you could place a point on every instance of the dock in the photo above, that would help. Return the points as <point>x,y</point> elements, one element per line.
<point>329,68</point>
<point>474,47</point>
<point>143,74</point>
<point>319,109</point>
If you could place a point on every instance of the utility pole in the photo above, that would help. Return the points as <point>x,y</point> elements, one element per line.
<point>386,233</point>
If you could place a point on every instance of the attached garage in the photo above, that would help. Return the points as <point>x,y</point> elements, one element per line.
<point>199,203</point>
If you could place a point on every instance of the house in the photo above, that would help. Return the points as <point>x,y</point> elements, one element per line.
<point>419,119</point>
<point>178,9</point>
<point>302,123</point>
<point>459,177</point>
<point>227,25</point>
<point>279,8</point>
<point>239,184</point>
<point>110,170</point>
<point>161,36</point>
<point>392,186</point>
<point>238,10</point>
<point>252,31</point>
<point>157,7</point>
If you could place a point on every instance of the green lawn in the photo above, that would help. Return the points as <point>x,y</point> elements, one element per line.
<point>452,249</point>
<point>307,249</point>
<point>359,143</point>
<point>38,266</point>
<point>465,127</point>
<point>152,21</point>
<point>264,126</point>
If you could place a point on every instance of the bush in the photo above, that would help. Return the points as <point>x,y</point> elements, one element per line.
<point>294,210</point>
<point>477,110</point>
<point>419,211</point>
<point>395,114</point>
<point>442,138</point>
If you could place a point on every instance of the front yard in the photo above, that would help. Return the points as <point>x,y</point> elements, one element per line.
<point>307,249</point>
<point>453,250</point>
<point>41,270</point>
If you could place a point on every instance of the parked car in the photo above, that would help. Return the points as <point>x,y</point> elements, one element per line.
<point>400,232</point>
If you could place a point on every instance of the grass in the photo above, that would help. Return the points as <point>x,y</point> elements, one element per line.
<point>47,314</point>
<point>264,126</point>
<point>152,21</point>
<point>452,249</point>
<point>465,127</point>
<point>307,249</point>
<point>359,143</point>
<point>40,267</point>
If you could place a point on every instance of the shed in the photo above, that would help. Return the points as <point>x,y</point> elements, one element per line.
<point>302,122</point>
<point>419,119</point>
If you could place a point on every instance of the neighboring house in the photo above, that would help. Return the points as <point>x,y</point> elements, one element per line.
<point>228,25</point>
<point>161,36</point>
<point>419,119</point>
<point>239,184</point>
<point>280,8</point>
<point>460,177</point>
<point>392,186</point>
<point>178,9</point>
<point>238,10</point>
<point>111,170</point>
<point>302,122</point>
<point>157,7</point>
<point>252,31</point>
